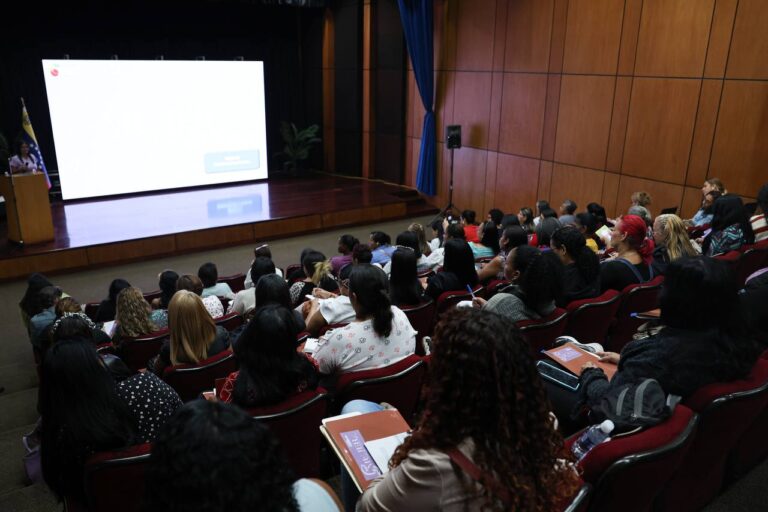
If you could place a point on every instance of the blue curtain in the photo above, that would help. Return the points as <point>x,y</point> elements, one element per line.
<point>416,16</point>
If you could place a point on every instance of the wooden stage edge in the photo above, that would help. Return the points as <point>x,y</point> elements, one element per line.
<point>392,202</point>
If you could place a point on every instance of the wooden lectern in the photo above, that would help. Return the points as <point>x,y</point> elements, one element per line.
<point>28,208</point>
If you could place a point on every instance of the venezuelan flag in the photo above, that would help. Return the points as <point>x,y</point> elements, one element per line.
<point>28,136</point>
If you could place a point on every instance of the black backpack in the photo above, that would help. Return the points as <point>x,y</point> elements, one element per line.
<point>633,407</point>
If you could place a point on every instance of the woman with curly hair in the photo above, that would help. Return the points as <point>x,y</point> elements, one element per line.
<point>132,318</point>
<point>194,468</point>
<point>485,407</point>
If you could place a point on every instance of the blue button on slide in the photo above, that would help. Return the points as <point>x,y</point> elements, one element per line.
<point>226,161</point>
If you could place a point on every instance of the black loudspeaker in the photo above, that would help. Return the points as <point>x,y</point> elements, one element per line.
<point>453,136</point>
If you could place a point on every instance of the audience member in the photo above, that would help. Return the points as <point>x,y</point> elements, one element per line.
<point>272,289</point>
<point>194,468</point>
<point>193,284</point>
<point>484,403</point>
<point>437,258</point>
<point>581,266</point>
<point>410,239</point>
<point>525,216</point>
<point>488,246</point>
<point>633,249</point>
<point>642,212</point>
<point>495,215</point>
<point>133,316</point>
<point>346,244</point>
<point>600,216</point>
<point>329,308</point>
<point>672,242</point>
<point>209,275</point>
<point>271,370</point>
<point>544,230</point>
<point>458,271</point>
<point>508,221</point>
<point>702,340</point>
<point>298,273</point>
<point>417,228</point>
<point>107,307</point>
<point>381,247</point>
<point>568,212</point>
<point>404,286</point>
<point>540,278</point>
<point>541,205</point>
<point>47,298</point>
<point>730,227</point>
<point>438,232</point>
<point>264,251</point>
<point>759,224</point>
<point>29,303</point>
<point>513,236</point>
<point>470,225</point>
<point>68,308</point>
<point>361,253</point>
<point>245,300</point>
<point>587,224</point>
<point>85,411</point>
<point>703,217</point>
<point>380,335</point>
<point>318,270</point>
<point>167,282</point>
<point>193,334</point>
<point>642,199</point>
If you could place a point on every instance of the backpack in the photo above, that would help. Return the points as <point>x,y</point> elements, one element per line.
<point>636,406</point>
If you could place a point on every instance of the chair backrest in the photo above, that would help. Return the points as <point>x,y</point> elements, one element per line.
<point>296,423</point>
<point>628,472</point>
<point>114,481</point>
<point>236,281</point>
<point>448,300</point>
<point>494,287</point>
<point>727,409</point>
<point>421,317</point>
<point>150,296</point>
<point>635,298</point>
<point>751,261</point>
<point>189,380</point>
<point>135,352</point>
<point>290,269</point>
<point>231,321</point>
<point>580,502</point>
<point>425,273</point>
<point>90,310</point>
<point>732,259</point>
<point>590,319</point>
<point>541,333</point>
<point>398,384</point>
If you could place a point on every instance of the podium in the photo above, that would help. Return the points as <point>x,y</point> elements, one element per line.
<point>28,208</point>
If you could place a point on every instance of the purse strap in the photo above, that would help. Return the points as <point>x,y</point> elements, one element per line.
<point>479,475</point>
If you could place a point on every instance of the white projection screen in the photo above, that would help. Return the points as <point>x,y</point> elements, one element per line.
<point>122,127</point>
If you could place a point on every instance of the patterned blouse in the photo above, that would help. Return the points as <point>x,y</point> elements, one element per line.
<point>356,346</point>
<point>151,400</point>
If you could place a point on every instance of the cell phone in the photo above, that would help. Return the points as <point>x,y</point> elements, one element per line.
<point>554,374</point>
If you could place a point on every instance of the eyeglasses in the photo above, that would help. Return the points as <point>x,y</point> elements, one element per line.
<point>404,247</point>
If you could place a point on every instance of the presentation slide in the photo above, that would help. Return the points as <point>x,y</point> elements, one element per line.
<point>122,127</point>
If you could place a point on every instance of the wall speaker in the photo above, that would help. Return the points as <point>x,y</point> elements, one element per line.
<point>453,136</point>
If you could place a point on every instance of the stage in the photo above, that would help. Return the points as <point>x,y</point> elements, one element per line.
<point>119,230</point>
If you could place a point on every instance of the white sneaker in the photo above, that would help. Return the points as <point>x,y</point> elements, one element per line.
<point>589,347</point>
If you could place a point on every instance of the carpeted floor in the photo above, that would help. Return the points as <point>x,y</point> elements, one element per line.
<point>17,373</point>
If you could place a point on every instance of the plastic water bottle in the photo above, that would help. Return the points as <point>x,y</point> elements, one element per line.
<point>592,437</point>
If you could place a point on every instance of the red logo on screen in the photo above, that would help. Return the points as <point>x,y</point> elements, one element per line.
<point>55,72</point>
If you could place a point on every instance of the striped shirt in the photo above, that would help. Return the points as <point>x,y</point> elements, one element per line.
<point>760,227</point>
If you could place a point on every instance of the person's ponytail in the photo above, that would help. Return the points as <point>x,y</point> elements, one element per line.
<point>371,289</point>
<point>382,313</point>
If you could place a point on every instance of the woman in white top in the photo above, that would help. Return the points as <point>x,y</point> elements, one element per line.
<point>23,161</point>
<point>193,284</point>
<point>379,336</point>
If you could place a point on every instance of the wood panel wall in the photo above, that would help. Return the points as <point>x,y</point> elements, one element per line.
<point>594,99</point>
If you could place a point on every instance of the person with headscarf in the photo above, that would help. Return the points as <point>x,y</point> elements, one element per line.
<point>730,227</point>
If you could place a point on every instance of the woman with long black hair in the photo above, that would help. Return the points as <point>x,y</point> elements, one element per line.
<point>458,270</point>
<point>581,266</point>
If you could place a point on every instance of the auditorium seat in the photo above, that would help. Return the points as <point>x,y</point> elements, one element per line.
<point>629,471</point>
<point>752,260</point>
<point>296,423</point>
<point>149,297</point>
<point>90,310</point>
<point>590,319</point>
<point>752,446</point>
<point>541,333</point>
<point>236,281</point>
<point>230,321</point>
<point>290,269</point>
<point>726,411</point>
<point>135,352</point>
<point>421,317</point>
<point>398,384</point>
<point>494,287</point>
<point>635,298</point>
<point>189,380</point>
<point>114,481</point>
<point>732,259</point>
<point>580,502</point>
<point>425,273</point>
<point>448,300</point>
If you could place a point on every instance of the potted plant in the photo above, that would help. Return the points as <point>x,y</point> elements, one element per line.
<point>298,144</point>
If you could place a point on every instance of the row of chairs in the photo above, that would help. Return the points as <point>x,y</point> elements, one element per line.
<point>713,437</point>
<point>747,260</point>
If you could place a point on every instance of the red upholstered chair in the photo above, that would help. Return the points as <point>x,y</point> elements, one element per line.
<point>398,384</point>
<point>635,298</point>
<point>494,287</point>
<point>425,273</point>
<point>290,269</point>
<point>189,380</point>
<point>540,334</point>
<point>421,317</point>
<point>448,300</point>
<point>236,281</point>
<point>90,310</point>
<point>727,410</point>
<point>231,321</point>
<point>150,296</point>
<point>114,481</point>
<point>629,472</point>
<point>751,261</point>
<point>135,352</point>
<point>590,319</point>
<point>580,502</point>
<point>752,446</point>
<point>296,423</point>
<point>732,259</point>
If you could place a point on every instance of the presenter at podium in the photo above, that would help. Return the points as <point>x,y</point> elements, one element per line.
<point>23,161</point>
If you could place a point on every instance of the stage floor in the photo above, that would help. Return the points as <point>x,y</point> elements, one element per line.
<point>110,231</point>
